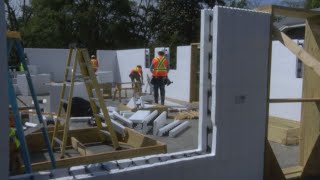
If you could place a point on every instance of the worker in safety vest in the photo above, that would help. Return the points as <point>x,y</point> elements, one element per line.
<point>95,63</point>
<point>159,69</point>
<point>136,76</point>
<point>14,144</point>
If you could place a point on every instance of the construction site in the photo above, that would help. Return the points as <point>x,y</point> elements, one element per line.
<point>240,104</point>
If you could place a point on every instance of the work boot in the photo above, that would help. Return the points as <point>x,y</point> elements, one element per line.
<point>162,100</point>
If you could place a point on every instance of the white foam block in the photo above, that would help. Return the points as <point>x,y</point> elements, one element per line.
<point>122,119</point>
<point>127,114</point>
<point>119,128</point>
<point>132,103</point>
<point>159,122</point>
<point>177,130</point>
<point>148,119</point>
<point>139,116</point>
<point>168,127</point>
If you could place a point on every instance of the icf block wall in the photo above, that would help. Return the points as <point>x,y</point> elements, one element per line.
<point>4,129</point>
<point>284,83</point>
<point>239,81</point>
<point>180,88</point>
<point>51,61</point>
<point>108,62</point>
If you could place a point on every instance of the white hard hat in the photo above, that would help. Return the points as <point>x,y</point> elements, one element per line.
<point>93,56</point>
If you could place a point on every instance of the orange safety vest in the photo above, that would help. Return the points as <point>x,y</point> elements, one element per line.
<point>160,65</point>
<point>95,64</point>
<point>136,70</point>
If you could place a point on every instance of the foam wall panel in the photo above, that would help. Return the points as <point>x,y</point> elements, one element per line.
<point>107,62</point>
<point>180,88</point>
<point>128,59</point>
<point>284,83</point>
<point>52,61</point>
<point>240,55</point>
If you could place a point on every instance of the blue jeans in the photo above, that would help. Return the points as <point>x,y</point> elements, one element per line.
<point>158,83</point>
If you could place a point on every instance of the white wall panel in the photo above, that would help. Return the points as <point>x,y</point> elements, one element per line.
<point>284,83</point>
<point>180,88</point>
<point>107,62</point>
<point>51,61</point>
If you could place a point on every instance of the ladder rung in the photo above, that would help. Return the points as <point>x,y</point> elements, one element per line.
<point>69,67</point>
<point>57,140</point>
<point>60,118</point>
<point>94,99</point>
<point>67,84</point>
<point>100,115</point>
<point>64,101</point>
<point>105,132</point>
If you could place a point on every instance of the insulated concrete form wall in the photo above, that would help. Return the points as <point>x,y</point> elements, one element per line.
<point>51,61</point>
<point>284,83</point>
<point>128,59</point>
<point>180,88</point>
<point>108,62</point>
<point>4,130</point>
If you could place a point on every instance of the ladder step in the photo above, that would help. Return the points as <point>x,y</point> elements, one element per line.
<point>105,133</point>
<point>99,115</point>
<point>69,68</point>
<point>68,84</point>
<point>57,141</point>
<point>60,118</point>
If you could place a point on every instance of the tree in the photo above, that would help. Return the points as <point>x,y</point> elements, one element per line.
<point>293,3</point>
<point>13,10</point>
<point>311,4</point>
<point>238,3</point>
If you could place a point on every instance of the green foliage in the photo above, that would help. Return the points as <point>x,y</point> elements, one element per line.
<point>239,3</point>
<point>112,24</point>
<point>311,4</point>
<point>293,3</point>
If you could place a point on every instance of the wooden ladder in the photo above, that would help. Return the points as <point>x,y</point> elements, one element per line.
<point>91,83</point>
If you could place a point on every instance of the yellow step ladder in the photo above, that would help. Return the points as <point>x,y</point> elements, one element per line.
<point>82,59</point>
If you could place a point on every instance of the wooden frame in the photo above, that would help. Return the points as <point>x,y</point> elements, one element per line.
<point>310,124</point>
<point>135,144</point>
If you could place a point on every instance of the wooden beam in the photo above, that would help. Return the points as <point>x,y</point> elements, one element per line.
<point>13,35</point>
<point>272,170</point>
<point>294,100</point>
<point>287,11</point>
<point>78,146</point>
<point>102,157</point>
<point>312,168</point>
<point>308,59</point>
<point>310,116</point>
<point>292,173</point>
<point>88,135</point>
<point>136,139</point>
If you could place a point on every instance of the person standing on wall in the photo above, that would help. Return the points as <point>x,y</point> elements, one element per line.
<point>159,69</point>
<point>95,63</point>
<point>136,76</point>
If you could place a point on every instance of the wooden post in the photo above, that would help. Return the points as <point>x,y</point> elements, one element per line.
<point>310,117</point>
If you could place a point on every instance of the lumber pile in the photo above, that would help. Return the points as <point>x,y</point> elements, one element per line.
<point>283,131</point>
<point>187,115</point>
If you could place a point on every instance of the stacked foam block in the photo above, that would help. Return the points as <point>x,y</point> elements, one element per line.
<point>40,84</point>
